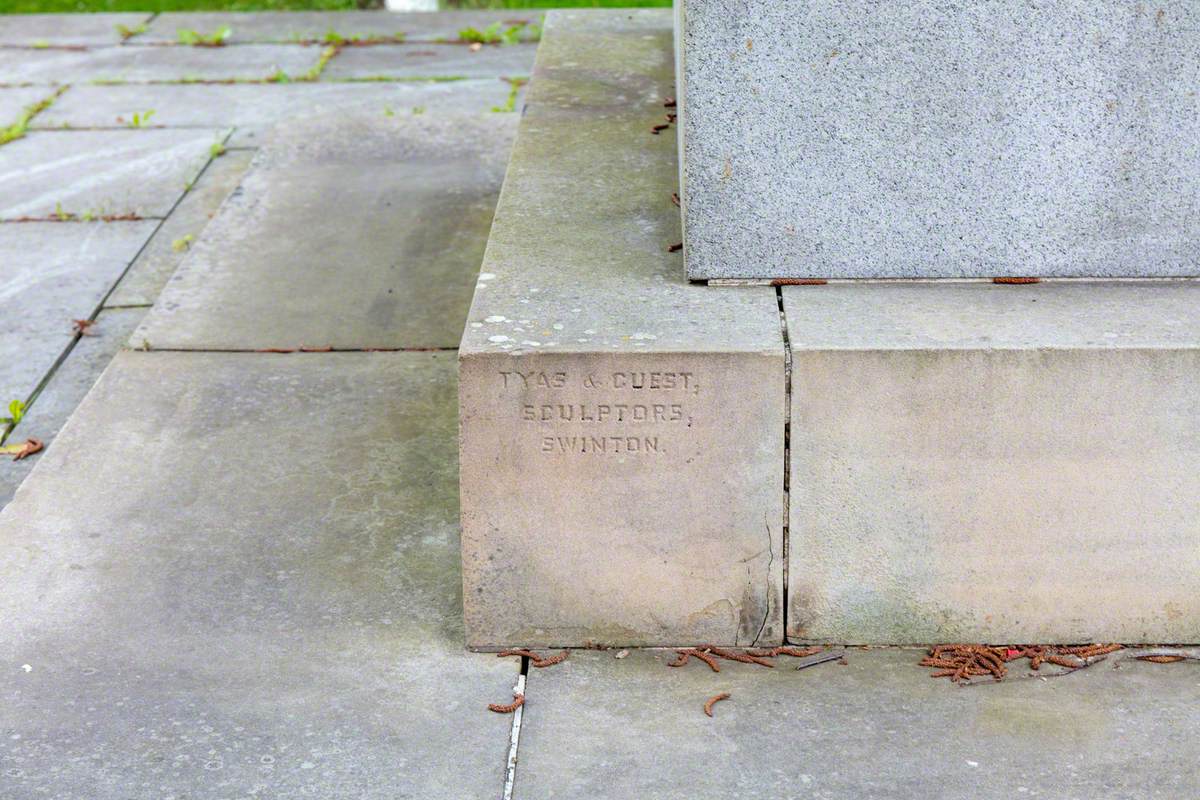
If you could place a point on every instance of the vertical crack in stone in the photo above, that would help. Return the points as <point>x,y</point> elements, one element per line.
<point>770,563</point>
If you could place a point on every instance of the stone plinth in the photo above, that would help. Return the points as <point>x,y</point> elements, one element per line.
<point>995,463</point>
<point>924,139</point>
<point>621,429</point>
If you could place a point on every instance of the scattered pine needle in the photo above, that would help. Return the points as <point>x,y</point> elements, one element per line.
<point>963,662</point>
<point>83,326</point>
<point>712,701</point>
<point>534,658</point>
<point>518,701</point>
<point>1166,658</point>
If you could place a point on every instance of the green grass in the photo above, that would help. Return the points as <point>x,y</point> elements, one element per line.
<point>66,6</point>
<point>69,6</point>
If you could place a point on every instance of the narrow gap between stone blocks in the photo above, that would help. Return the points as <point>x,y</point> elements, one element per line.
<point>787,448</point>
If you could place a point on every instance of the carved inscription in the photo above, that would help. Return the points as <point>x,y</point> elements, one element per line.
<point>638,413</point>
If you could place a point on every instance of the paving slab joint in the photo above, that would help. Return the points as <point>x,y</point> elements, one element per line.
<point>787,445</point>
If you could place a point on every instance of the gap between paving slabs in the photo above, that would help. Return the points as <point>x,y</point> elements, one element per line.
<point>30,401</point>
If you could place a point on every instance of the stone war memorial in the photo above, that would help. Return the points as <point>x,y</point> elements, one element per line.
<point>860,323</point>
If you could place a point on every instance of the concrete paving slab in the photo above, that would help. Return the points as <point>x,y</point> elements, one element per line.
<point>973,462</point>
<point>50,274</point>
<point>236,575</point>
<point>66,388</point>
<point>431,61</point>
<point>14,100</point>
<point>606,401</point>
<point>139,64</point>
<point>878,727</point>
<point>155,265</point>
<point>295,26</point>
<point>138,172</point>
<point>254,108</point>
<point>350,232</point>
<point>67,29</point>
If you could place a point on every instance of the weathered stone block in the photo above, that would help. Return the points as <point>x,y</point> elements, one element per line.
<point>622,429</point>
<point>994,463</point>
<point>927,139</point>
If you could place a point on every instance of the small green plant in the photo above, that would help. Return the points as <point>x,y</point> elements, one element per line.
<point>333,37</point>
<point>279,76</point>
<point>495,33</point>
<point>140,119</point>
<point>388,112</point>
<point>19,128</point>
<point>326,56</point>
<point>60,214</point>
<point>127,32</point>
<point>16,411</point>
<point>196,39</point>
<point>217,149</point>
<point>514,90</point>
<point>183,243</point>
<point>418,110</point>
<point>41,44</point>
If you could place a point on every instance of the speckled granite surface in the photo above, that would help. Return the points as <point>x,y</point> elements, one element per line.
<point>940,139</point>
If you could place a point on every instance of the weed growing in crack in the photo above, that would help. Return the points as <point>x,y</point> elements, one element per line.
<point>495,33</point>
<point>326,56</point>
<point>126,33</point>
<point>138,119</point>
<point>196,39</point>
<point>510,105</point>
<point>183,243</point>
<point>19,128</point>
<point>16,412</point>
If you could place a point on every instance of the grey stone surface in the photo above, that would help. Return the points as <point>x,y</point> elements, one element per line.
<point>995,463</point>
<point>66,29</point>
<point>254,108</point>
<point>605,401</point>
<point>927,139</point>
<point>348,231</point>
<point>236,575</point>
<point>140,64</point>
<point>597,727</point>
<point>65,389</point>
<point>431,61</point>
<point>15,99</point>
<point>314,25</point>
<point>141,172</point>
<point>155,265</point>
<point>50,274</point>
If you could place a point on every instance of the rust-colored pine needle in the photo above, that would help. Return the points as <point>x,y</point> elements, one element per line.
<point>660,127</point>
<point>675,248</point>
<point>684,655</point>
<point>1163,658</point>
<point>963,662</point>
<point>518,701</point>
<point>550,661</point>
<point>960,662</point>
<point>731,655</point>
<point>794,652</point>
<point>534,658</point>
<point>83,326</point>
<point>712,701</point>
<point>669,102</point>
